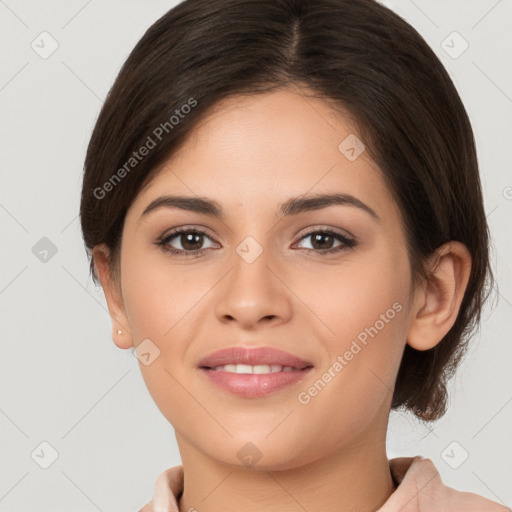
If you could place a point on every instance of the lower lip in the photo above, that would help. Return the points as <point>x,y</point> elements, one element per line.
<point>253,385</point>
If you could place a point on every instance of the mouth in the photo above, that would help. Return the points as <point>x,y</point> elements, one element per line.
<point>259,369</point>
<point>252,373</point>
<point>253,360</point>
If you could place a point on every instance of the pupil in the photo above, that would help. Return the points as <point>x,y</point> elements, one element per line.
<point>191,241</point>
<point>318,238</point>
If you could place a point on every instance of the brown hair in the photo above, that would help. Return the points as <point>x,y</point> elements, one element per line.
<point>356,54</point>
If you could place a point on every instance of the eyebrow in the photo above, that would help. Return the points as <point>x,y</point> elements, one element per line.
<point>292,206</point>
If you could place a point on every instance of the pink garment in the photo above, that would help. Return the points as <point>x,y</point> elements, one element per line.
<point>420,489</point>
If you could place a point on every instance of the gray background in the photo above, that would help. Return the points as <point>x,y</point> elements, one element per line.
<point>64,382</point>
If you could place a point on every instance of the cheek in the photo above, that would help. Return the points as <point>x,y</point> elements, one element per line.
<point>353,389</point>
<point>156,296</point>
<point>364,292</point>
<point>365,306</point>
<point>161,303</point>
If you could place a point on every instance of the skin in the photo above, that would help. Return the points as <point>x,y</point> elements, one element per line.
<point>250,155</point>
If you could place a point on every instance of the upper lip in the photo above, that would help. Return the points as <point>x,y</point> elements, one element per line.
<point>252,357</point>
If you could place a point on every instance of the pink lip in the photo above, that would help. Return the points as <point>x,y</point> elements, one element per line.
<point>248,385</point>
<point>252,356</point>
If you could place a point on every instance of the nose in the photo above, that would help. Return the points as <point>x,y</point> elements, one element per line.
<point>254,292</point>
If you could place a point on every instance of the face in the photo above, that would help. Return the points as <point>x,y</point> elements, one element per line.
<point>326,282</point>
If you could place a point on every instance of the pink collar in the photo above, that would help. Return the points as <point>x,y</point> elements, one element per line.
<point>419,489</point>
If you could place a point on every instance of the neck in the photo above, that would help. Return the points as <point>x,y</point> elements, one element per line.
<point>344,480</point>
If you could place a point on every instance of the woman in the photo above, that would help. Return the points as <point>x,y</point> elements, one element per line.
<point>281,201</point>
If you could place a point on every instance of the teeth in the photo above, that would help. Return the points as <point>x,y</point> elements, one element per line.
<point>258,369</point>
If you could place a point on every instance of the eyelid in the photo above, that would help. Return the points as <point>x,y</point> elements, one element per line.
<point>186,227</point>
<point>347,240</point>
<point>174,232</point>
<point>305,232</point>
<point>320,227</point>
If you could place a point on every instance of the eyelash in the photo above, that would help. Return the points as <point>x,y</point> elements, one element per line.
<point>348,243</point>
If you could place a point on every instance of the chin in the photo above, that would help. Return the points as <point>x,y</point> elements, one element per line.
<point>256,452</point>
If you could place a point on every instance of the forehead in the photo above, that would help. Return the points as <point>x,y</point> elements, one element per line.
<point>261,149</point>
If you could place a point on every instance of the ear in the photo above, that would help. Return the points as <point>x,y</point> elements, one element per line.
<point>113,295</point>
<point>437,303</point>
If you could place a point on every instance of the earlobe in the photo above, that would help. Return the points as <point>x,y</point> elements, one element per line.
<point>120,332</point>
<point>437,301</point>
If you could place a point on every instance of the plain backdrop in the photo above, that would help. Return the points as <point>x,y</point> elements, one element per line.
<point>70,399</point>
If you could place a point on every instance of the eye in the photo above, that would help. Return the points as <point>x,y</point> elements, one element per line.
<point>323,241</point>
<point>190,240</point>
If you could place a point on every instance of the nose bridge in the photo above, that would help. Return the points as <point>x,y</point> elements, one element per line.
<point>251,290</point>
<point>251,262</point>
<point>251,275</point>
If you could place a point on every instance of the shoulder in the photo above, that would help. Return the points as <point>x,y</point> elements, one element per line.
<point>420,483</point>
<point>168,487</point>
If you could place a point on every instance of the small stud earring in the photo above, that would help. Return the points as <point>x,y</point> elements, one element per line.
<point>119,331</point>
